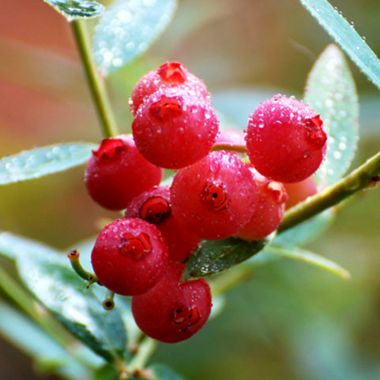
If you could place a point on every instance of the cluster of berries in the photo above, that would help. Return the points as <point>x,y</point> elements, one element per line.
<point>214,195</point>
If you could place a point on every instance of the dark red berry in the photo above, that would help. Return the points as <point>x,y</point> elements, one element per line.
<point>117,172</point>
<point>271,198</point>
<point>215,197</point>
<point>173,130</point>
<point>155,207</point>
<point>169,74</point>
<point>173,311</point>
<point>285,139</point>
<point>299,191</point>
<point>129,256</point>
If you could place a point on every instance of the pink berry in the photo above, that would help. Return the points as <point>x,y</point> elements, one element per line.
<point>285,139</point>
<point>299,191</point>
<point>271,198</point>
<point>155,207</point>
<point>117,172</point>
<point>173,311</point>
<point>129,256</point>
<point>174,130</point>
<point>215,197</point>
<point>169,74</point>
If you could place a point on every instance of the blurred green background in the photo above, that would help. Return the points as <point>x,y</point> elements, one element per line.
<point>289,321</point>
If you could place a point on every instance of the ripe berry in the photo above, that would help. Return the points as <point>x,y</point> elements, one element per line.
<point>155,207</point>
<point>117,172</point>
<point>215,197</point>
<point>285,139</point>
<point>271,198</point>
<point>129,256</point>
<point>173,311</point>
<point>169,74</point>
<point>299,191</point>
<point>173,130</point>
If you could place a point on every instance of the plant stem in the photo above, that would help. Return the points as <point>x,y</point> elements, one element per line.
<point>146,349</point>
<point>361,178</point>
<point>94,81</point>
<point>230,147</point>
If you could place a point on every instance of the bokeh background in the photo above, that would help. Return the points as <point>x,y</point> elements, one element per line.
<point>289,321</point>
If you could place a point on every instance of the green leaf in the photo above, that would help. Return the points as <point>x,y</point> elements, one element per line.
<point>305,231</point>
<point>311,259</point>
<point>127,29</point>
<point>346,36</point>
<point>56,286</point>
<point>77,9</point>
<point>331,91</point>
<point>214,256</point>
<point>12,245</point>
<point>162,372</point>
<point>34,342</point>
<point>43,161</point>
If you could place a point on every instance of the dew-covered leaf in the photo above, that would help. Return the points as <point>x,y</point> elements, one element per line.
<point>127,29</point>
<point>305,231</point>
<point>43,161</point>
<point>214,256</point>
<point>77,9</point>
<point>61,291</point>
<point>310,258</point>
<point>33,341</point>
<point>331,91</point>
<point>346,36</point>
<point>12,245</point>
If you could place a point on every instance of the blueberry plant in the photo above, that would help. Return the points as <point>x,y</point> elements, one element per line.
<point>231,200</point>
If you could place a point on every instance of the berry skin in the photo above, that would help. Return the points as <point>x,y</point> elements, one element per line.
<point>129,256</point>
<point>299,191</point>
<point>173,130</point>
<point>285,139</point>
<point>117,172</point>
<point>271,198</point>
<point>155,207</point>
<point>173,311</point>
<point>215,197</point>
<point>169,74</point>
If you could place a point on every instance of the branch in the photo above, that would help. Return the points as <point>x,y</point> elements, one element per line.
<point>95,83</point>
<point>361,178</point>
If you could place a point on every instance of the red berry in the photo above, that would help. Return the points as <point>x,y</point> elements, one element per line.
<point>299,191</point>
<point>285,139</point>
<point>173,130</point>
<point>271,198</point>
<point>155,207</point>
<point>173,311</point>
<point>215,197</point>
<point>129,256</point>
<point>169,74</point>
<point>117,172</point>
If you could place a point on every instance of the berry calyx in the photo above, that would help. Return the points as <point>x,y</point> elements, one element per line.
<point>168,75</point>
<point>271,199</point>
<point>285,139</point>
<point>173,310</point>
<point>129,256</point>
<point>173,130</point>
<point>215,197</point>
<point>155,207</point>
<point>117,172</point>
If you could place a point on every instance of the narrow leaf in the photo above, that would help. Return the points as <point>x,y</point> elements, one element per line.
<point>215,256</point>
<point>311,259</point>
<point>56,286</point>
<point>127,29</point>
<point>77,9</point>
<point>346,36</point>
<point>331,91</point>
<point>43,161</point>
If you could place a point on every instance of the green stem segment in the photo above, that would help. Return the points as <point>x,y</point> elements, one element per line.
<point>94,81</point>
<point>361,178</point>
<point>74,258</point>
